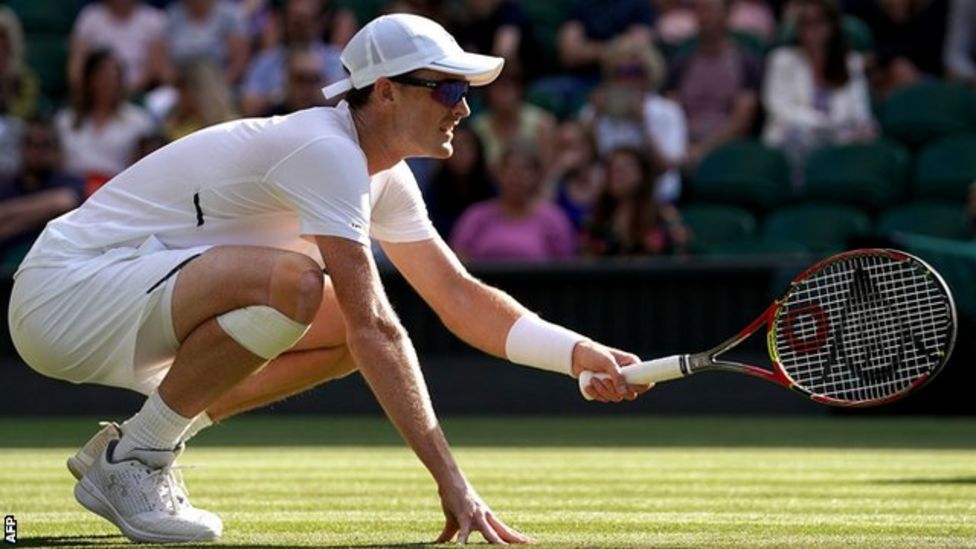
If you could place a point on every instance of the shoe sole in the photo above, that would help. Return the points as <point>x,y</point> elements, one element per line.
<point>91,498</point>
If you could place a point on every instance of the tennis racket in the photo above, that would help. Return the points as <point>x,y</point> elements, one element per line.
<point>860,328</point>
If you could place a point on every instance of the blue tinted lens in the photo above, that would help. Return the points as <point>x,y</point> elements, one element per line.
<point>450,92</point>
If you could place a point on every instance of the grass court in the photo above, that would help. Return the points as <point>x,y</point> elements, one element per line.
<point>605,481</point>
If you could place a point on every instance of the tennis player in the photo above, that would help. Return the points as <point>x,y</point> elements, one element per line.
<point>196,277</point>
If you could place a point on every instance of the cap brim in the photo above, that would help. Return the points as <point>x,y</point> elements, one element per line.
<point>479,70</point>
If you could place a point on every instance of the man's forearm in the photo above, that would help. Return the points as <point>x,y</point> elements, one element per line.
<point>389,364</point>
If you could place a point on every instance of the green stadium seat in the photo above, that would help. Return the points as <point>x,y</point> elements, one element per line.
<point>364,10</point>
<point>938,219</point>
<point>946,168</point>
<point>859,35</point>
<point>821,227</point>
<point>47,55</point>
<point>867,175</point>
<point>924,112</point>
<point>546,17</point>
<point>42,17</point>
<point>713,226</point>
<point>744,173</point>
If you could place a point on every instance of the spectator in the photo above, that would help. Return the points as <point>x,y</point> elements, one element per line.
<point>960,46</point>
<point>203,99</point>
<point>753,17</point>
<point>133,31</point>
<point>304,26</point>
<point>520,224</point>
<point>501,28</point>
<point>19,88</point>
<point>459,182</point>
<point>303,88</point>
<point>100,130</point>
<point>627,220</point>
<point>626,110</point>
<point>591,27</point>
<point>210,29</point>
<point>716,84</point>
<point>908,40</point>
<point>509,118</point>
<point>675,23</point>
<point>815,90</point>
<point>40,192</point>
<point>576,173</point>
<point>18,92</point>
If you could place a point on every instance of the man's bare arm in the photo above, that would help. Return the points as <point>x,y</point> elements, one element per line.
<point>385,356</point>
<point>387,360</point>
<point>483,316</point>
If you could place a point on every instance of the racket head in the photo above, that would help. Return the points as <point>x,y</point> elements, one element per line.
<point>863,328</point>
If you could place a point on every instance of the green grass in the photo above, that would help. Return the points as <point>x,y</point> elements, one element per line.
<point>568,482</point>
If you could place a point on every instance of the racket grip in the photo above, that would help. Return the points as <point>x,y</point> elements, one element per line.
<point>642,373</point>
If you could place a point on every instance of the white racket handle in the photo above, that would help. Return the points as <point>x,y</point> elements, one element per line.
<point>642,373</point>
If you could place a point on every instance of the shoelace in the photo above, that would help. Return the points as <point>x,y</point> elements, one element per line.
<point>168,483</point>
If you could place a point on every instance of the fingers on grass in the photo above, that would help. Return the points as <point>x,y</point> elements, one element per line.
<point>447,534</point>
<point>507,533</point>
<point>487,530</point>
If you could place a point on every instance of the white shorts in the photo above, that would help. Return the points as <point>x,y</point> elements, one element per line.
<point>104,319</point>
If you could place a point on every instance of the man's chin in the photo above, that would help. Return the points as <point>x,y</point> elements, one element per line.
<point>444,151</point>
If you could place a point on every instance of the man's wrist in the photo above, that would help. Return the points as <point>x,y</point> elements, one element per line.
<point>534,342</point>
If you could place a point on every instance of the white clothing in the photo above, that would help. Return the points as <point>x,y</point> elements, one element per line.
<point>103,151</point>
<point>98,273</point>
<point>664,122</point>
<point>788,97</point>
<point>129,39</point>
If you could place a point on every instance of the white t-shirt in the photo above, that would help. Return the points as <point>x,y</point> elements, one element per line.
<point>129,39</point>
<point>106,150</point>
<point>257,181</point>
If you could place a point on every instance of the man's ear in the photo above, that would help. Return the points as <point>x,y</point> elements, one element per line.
<point>385,91</point>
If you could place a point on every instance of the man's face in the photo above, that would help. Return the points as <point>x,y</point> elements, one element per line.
<point>427,125</point>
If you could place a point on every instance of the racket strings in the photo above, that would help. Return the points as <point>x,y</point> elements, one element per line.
<point>863,328</point>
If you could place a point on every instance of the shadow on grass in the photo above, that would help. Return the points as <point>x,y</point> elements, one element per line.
<point>927,481</point>
<point>105,541</point>
<point>99,540</point>
<point>541,431</point>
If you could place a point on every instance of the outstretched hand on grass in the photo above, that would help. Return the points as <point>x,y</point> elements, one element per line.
<point>466,512</point>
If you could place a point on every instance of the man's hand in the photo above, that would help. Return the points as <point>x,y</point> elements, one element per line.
<point>589,355</point>
<point>465,511</point>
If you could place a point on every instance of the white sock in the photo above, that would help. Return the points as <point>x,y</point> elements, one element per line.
<point>155,427</point>
<point>200,423</point>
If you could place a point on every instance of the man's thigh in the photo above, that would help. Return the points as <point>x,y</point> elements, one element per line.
<point>226,278</point>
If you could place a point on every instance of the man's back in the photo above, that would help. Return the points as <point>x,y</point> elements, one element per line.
<point>234,183</point>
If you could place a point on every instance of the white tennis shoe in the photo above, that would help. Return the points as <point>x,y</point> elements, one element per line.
<point>145,497</point>
<point>79,463</point>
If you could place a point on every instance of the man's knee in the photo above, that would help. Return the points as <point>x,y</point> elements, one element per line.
<point>294,296</point>
<point>296,287</point>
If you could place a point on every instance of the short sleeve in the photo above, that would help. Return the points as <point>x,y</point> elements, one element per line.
<point>327,184</point>
<point>399,214</point>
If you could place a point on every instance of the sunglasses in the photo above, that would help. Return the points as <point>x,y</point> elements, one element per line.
<point>446,92</point>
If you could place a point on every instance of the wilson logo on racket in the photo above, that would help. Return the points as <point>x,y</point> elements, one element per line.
<point>859,328</point>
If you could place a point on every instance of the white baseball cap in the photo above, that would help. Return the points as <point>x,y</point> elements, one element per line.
<point>396,44</point>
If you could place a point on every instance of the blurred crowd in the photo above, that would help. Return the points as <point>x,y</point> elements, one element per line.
<point>583,146</point>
